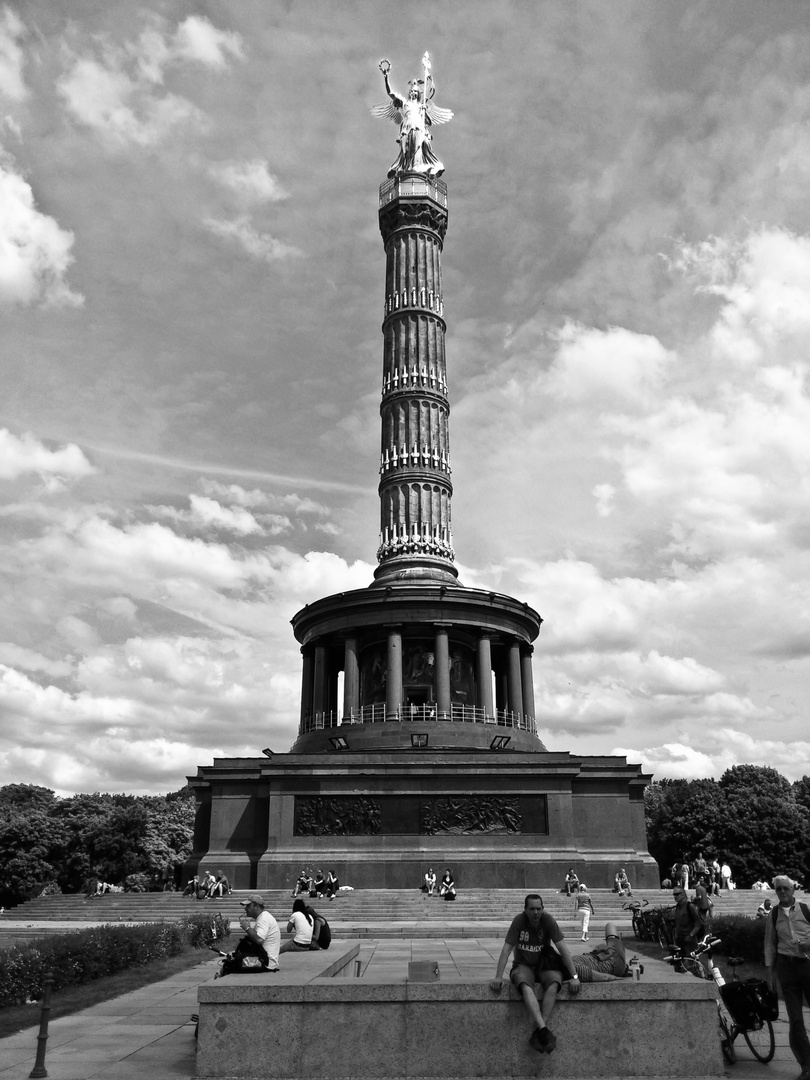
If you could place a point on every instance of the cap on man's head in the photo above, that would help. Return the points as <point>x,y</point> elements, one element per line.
<point>253,898</point>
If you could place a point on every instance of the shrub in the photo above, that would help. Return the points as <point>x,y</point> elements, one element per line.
<point>740,935</point>
<point>86,955</point>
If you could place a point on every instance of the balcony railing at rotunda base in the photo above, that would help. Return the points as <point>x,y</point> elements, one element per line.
<point>377,714</point>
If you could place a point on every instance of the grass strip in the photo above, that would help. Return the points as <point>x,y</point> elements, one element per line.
<point>71,999</point>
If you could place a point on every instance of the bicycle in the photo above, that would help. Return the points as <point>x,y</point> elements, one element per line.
<point>661,924</point>
<point>640,928</point>
<point>743,1008</point>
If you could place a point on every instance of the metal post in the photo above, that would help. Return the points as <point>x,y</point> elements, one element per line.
<point>42,1039</point>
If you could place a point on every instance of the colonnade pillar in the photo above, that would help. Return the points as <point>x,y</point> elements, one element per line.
<point>528,682</point>
<point>441,667</point>
<point>320,689</point>
<point>514,690</point>
<point>484,676</point>
<point>306,688</point>
<point>393,681</point>
<point>351,678</point>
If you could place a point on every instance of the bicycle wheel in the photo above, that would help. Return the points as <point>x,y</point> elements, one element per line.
<point>694,967</point>
<point>761,1041</point>
<point>727,1033</point>
<point>663,937</point>
<point>636,925</point>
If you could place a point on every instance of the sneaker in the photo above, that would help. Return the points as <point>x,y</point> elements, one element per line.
<point>542,1040</point>
<point>548,1039</point>
<point>535,1043</point>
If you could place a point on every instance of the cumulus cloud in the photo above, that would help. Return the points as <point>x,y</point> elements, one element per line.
<point>258,499</point>
<point>711,753</point>
<point>26,454</point>
<point>118,89</point>
<point>251,181</point>
<point>610,367</point>
<point>16,656</point>
<point>12,58</point>
<point>35,252</point>
<point>242,232</point>
<point>197,39</point>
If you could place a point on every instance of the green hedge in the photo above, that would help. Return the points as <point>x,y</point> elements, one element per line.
<point>85,955</point>
<point>740,935</point>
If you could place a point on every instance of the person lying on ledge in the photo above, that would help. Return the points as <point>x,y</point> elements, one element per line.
<point>606,963</point>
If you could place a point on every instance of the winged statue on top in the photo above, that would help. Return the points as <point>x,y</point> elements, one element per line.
<point>415,114</point>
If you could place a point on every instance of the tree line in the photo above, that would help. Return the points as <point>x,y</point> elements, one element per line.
<point>752,817</point>
<point>57,844</point>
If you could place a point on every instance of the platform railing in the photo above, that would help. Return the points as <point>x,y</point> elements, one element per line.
<point>414,187</point>
<point>377,714</point>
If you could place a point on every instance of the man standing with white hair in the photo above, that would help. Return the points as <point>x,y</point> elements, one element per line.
<point>787,957</point>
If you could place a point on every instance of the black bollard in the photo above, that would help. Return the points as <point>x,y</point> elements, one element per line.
<point>42,1039</point>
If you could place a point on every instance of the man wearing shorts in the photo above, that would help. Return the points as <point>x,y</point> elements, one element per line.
<point>536,960</point>
<point>605,963</point>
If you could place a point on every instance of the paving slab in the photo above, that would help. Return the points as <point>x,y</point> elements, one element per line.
<point>148,1033</point>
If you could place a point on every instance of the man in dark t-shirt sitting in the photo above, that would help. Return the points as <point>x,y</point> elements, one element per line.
<point>540,955</point>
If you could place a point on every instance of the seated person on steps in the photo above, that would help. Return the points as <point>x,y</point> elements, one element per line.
<point>429,884</point>
<point>447,889</point>
<point>220,886</point>
<point>621,884</point>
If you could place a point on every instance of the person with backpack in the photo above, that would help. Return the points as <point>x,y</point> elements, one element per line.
<point>787,959</point>
<point>689,928</point>
<point>262,939</point>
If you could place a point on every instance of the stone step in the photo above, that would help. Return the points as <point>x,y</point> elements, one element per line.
<point>360,907</point>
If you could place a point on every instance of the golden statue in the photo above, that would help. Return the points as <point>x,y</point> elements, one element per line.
<point>415,115</point>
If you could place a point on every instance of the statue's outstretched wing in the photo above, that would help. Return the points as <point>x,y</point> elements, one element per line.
<point>387,111</point>
<point>438,115</point>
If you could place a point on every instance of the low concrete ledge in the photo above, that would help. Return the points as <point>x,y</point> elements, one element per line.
<point>303,1023</point>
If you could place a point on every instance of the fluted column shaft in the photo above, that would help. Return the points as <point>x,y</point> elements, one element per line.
<point>393,679</point>
<point>415,487</point>
<point>351,677</point>
<point>441,667</point>
<point>484,676</point>
<point>513,681</point>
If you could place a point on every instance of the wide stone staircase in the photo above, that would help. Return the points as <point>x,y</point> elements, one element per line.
<point>376,913</point>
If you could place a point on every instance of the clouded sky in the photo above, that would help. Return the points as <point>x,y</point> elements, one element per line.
<point>191,289</point>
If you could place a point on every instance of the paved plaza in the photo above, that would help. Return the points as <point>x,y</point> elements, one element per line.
<point>149,1034</point>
